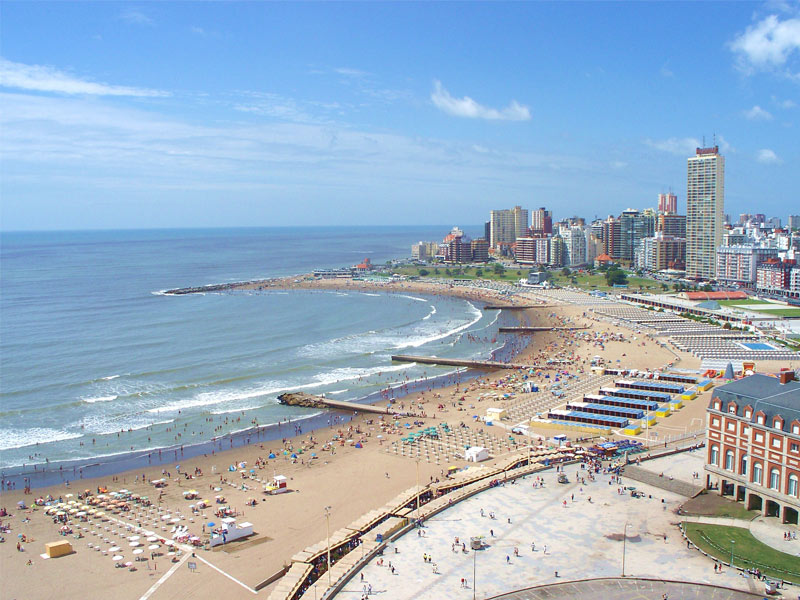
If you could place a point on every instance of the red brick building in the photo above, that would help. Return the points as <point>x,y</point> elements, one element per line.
<point>754,444</point>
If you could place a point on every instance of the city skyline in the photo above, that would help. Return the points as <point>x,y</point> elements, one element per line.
<point>196,115</point>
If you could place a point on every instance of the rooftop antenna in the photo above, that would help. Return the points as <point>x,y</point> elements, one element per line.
<point>715,138</point>
<point>704,141</point>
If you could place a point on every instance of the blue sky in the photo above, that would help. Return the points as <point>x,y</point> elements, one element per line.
<point>159,114</point>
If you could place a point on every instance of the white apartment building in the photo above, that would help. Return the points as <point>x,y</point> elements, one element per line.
<point>738,264</point>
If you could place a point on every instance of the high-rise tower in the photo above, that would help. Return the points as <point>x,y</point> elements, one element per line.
<point>668,203</point>
<point>705,203</point>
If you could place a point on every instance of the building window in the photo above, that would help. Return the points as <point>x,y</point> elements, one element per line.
<point>774,479</point>
<point>732,409</point>
<point>794,447</point>
<point>714,456</point>
<point>716,405</point>
<point>760,419</point>
<point>777,423</point>
<point>745,458</point>
<point>715,422</point>
<point>796,429</point>
<point>746,431</point>
<point>729,460</point>
<point>731,426</point>
<point>748,413</point>
<point>759,437</point>
<point>757,473</point>
<point>792,491</point>
<point>776,442</point>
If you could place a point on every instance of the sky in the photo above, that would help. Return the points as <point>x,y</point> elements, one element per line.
<point>160,114</point>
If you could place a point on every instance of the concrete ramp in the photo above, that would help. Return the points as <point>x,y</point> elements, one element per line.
<point>676,486</point>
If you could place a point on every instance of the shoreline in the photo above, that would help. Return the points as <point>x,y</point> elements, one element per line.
<point>349,477</point>
<point>46,474</point>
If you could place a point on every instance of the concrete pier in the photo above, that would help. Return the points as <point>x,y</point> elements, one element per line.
<point>516,306</point>
<point>458,362</point>
<point>536,329</point>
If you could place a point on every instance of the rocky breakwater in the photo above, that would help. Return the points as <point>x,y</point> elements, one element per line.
<point>309,401</point>
<point>302,399</point>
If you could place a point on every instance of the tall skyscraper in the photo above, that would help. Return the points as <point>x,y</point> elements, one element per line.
<point>507,225</point>
<point>668,203</point>
<point>541,222</point>
<point>705,202</point>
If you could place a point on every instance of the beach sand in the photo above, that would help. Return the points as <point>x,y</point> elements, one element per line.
<point>352,481</point>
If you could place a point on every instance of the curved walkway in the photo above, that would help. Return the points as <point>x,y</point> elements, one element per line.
<point>627,589</point>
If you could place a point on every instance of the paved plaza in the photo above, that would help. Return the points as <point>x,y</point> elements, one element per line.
<point>577,540</point>
<point>628,589</point>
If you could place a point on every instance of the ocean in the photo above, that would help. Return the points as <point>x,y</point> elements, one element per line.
<point>99,367</point>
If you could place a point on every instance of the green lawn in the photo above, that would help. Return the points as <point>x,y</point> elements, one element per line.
<point>714,505</point>
<point>511,274</point>
<point>780,312</point>
<point>740,302</point>
<point>747,551</point>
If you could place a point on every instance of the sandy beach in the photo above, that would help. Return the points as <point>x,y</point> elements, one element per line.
<point>350,480</point>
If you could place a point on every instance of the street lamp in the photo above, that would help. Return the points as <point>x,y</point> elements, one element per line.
<point>328,537</point>
<point>624,542</point>
<point>474,572</point>
<point>732,543</point>
<point>417,488</point>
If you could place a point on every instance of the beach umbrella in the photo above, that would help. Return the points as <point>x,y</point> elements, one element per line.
<point>138,551</point>
<point>114,549</point>
<point>117,558</point>
<point>134,544</point>
<point>134,538</point>
<point>211,524</point>
<point>271,455</point>
<point>295,455</point>
<point>153,547</point>
<point>152,538</point>
<point>20,503</point>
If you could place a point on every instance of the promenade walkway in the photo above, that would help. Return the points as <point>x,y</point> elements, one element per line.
<point>627,589</point>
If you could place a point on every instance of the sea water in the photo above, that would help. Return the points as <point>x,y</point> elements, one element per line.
<point>97,362</point>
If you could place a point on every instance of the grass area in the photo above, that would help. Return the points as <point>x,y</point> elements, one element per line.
<point>454,272</point>
<point>741,302</point>
<point>779,312</point>
<point>714,505</point>
<point>585,281</point>
<point>747,550</point>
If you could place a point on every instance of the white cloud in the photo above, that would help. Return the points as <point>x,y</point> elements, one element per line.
<point>666,72</point>
<point>768,157</point>
<point>197,30</point>
<point>681,146</point>
<point>687,146</point>
<point>347,72</point>
<point>758,114</point>
<point>618,164</point>
<point>467,107</point>
<point>135,17</point>
<point>47,79</point>
<point>768,44</point>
